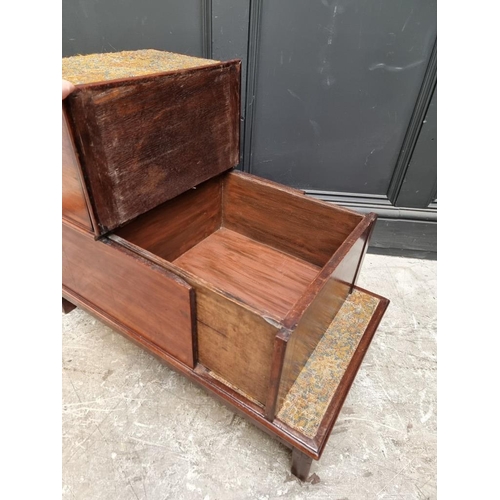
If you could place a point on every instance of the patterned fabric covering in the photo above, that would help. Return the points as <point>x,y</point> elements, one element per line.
<point>115,65</point>
<point>310,395</point>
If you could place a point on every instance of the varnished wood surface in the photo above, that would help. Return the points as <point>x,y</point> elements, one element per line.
<point>74,205</point>
<point>284,218</point>
<point>139,294</point>
<point>301,464</point>
<point>298,299</point>
<point>200,375</point>
<point>179,224</point>
<point>258,275</point>
<point>235,342</point>
<point>146,140</point>
<point>278,360</point>
<point>274,284</point>
<point>319,305</point>
<point>207,289</point>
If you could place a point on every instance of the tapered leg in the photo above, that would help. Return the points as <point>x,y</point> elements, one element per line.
<point>67,306</point>
<point>301,464</point>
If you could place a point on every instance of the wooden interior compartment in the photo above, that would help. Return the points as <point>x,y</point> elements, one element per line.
<point>251,249</point>
<point>314,313</point>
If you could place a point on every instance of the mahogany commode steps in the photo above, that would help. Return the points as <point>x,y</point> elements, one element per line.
<point>245,286</point>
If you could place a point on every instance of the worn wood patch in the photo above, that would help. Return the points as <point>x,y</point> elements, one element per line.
<point>74,204</point>
<point>146,140</point>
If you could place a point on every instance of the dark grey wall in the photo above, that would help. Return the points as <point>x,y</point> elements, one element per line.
<point>112,25</point>
<point>337,84</point>
<point>416,190</point>
<point>334,92</point>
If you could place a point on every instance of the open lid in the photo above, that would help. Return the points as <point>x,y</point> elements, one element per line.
<point>149,125</point>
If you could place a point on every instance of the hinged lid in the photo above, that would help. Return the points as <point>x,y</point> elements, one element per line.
<point>149,125</point>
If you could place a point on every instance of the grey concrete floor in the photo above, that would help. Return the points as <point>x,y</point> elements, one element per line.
<point>134,429</point>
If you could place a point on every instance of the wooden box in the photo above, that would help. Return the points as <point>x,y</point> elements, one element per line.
<point>245,286</point>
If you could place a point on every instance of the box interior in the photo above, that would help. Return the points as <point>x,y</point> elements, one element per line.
<point>262,244</point>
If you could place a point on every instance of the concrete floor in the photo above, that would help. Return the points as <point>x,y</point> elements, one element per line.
<point>134,429</point>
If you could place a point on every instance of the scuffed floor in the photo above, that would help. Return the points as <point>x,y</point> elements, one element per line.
<point>134,429</point>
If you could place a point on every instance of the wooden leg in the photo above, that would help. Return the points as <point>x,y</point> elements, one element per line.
<point>301,464</point>
<point>67,306</point>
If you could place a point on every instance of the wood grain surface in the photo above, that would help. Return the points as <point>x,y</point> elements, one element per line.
<point>192,237</point>
<point>238,278</point>
<point>143,296</point>
<point>285,218</point>
<point>234,339</point>
<point>179,224</point>
<point>67,306</point>
<point>145,140</point>
<point>258,275</point>
<point>277,363</point>
<point>301,464</point>
<point>74,204</point>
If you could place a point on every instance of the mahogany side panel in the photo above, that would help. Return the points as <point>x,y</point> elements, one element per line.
<point>235,342</point>
<point>312,315</point>
<point>176,226</point>
<point>301,464</point>
<point>145,140</point>
<point>141,295</point>
<point>285,218</point>
<point>74,204</point>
